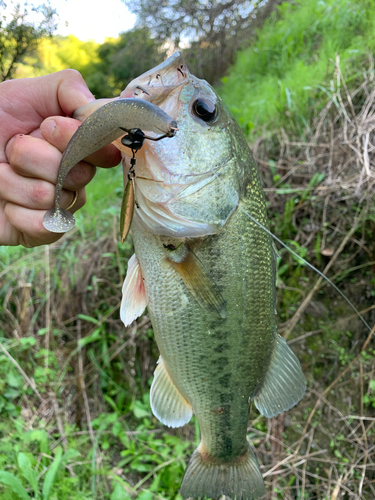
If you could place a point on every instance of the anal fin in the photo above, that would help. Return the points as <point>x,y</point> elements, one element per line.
<point>201,286</point>
<point>284,384</point>
<point>133,301</point>
<point>167,403</point>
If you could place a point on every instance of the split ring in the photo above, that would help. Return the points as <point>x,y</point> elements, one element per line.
<point>73,202</point>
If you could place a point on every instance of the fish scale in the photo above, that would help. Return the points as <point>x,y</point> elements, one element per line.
<point>189,346</point>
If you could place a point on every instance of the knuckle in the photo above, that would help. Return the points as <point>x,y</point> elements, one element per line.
<point>72,74</point>
<point>40,193</point>
<point>82,174</point>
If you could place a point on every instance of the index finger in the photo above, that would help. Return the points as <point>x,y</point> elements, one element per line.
<point>25,103</point>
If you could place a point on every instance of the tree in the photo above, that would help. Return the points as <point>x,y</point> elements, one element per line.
<point>213,29</point>
<point>19,36</point>
<point>122,59</point>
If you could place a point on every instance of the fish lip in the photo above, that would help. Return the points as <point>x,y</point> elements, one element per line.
<point>175,61</point>
<point>171,73</point>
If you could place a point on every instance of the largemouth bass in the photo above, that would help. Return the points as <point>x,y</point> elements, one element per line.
<point>206,273</point>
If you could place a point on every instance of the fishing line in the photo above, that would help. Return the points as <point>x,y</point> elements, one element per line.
<point>335,287</point>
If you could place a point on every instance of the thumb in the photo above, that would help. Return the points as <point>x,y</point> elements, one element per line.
<point>60,93</point>
<point>26,102</point>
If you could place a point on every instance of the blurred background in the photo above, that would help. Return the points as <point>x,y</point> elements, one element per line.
<point>75,419</point>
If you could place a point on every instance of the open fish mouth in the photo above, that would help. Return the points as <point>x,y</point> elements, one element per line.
<point>157,84</point>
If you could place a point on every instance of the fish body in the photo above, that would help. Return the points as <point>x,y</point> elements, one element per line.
<point>207,274</point>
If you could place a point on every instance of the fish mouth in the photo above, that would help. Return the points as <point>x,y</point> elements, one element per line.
<point>157,84</point>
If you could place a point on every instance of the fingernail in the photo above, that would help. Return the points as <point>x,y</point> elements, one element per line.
<point>9,143</point>
<point>48,127</point>
<point>86,92</point>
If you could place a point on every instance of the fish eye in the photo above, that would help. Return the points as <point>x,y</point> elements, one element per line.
<point>205,109</point>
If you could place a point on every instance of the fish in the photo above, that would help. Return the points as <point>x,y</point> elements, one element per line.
<point>104,121</point>
<point>205,268</point>
<point>207,274</point>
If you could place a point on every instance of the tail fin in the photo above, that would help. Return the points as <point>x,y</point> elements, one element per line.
<point>240,478</point>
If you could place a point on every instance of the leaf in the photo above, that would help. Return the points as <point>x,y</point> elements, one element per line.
<point>88,318</point>
<point>70,454</point>
<point>96,335</point>
<point>13,381</point>
<point>27,471</point>
<point>120,493</point>
<point>42,437</point>
<point>145,495</point>
<point>14,484</point>
<point>140,410</point>
<point>27,341</point>
<point>51,474</point>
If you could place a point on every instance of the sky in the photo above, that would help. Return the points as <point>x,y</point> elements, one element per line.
<point>89,20</point>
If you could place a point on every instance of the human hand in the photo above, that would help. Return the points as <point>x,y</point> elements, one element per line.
<point>34,130</point>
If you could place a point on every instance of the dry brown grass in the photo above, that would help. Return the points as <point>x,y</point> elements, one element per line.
<point>328,450</point>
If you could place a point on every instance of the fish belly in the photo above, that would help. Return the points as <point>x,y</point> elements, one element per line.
<point>216,363</point>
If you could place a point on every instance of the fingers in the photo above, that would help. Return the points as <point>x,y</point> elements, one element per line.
<point>25,226</point>
<point>34,158</point>
<point>27,190</point>
<point>58,132</point>
<point>31,145</point>
<point>35,194</point>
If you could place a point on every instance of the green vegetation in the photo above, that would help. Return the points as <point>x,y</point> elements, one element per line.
<point>122,59</point>
<point>107,68</point>
<point>277,81</point>
<point>75,420</point>
<point>19,35</point>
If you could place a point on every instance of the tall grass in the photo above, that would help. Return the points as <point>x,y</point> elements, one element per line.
<point>274,82</point>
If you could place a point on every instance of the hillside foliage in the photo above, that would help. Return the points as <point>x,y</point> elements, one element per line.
<point>19,35</point>
<point>277,81</point>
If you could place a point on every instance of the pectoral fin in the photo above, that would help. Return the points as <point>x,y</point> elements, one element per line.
<point>167,403</point>
<point>284,384</point>
<point>201,286</point>
<point>133,301</point>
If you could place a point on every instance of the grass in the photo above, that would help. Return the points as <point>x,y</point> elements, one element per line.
<point>277,81</point>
